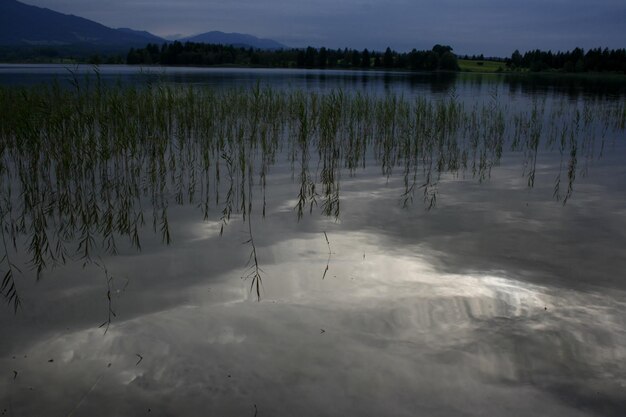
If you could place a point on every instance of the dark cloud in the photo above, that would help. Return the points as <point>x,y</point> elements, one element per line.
<point>492,27</point>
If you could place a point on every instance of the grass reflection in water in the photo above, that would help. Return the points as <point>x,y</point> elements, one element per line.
<point>83,168</point>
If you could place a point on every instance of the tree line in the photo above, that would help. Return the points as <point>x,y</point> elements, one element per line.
<point>440,57</point>
<point>577,60</point>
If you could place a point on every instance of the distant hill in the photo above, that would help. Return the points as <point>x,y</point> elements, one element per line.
<point>35,34</point>
<point>144,34</point>
<point>25,25</point>
<point>235,39</point>
<point>174,37</point>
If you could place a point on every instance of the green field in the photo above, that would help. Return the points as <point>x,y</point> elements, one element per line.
<point>471,65</point>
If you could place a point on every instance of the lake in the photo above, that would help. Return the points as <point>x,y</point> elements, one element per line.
<point>186,241</point>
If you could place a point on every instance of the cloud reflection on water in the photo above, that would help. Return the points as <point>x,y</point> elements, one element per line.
<point>400,336</point>
<point>497,299</point>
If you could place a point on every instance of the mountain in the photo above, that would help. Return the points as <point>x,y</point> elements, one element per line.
<point>26,29</point>
<point>144,34</point>
<point>23,25</point>
<point>174,37</point>
<point>235,39</point>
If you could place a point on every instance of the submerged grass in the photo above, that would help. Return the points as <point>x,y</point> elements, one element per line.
<point>83,168</point>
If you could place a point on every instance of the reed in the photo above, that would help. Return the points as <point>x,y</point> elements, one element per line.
<point>85,167</point>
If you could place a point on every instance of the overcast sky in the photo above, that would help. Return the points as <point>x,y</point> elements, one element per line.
<point>492,27</point>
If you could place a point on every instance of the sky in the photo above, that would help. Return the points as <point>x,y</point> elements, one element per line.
<point>489,27</point>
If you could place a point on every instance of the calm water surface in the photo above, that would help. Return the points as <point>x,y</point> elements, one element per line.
<point>462,85</point>
<point>496,299</point>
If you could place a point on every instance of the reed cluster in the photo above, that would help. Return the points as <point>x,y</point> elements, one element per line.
<point>82,168</point>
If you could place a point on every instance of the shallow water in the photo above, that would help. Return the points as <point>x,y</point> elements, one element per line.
<point>464,85</point>
<point>498,299</point>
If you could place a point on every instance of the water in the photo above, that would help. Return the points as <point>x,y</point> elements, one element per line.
<point>497,299</point>
<point>438,85</point>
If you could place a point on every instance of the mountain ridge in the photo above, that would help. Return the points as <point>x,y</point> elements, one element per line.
<point>24,25</point>
<point>235,39</point>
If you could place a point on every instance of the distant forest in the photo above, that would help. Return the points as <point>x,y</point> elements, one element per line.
<point>594,60</point>
<point>200,54</point>
<point>440,57</point>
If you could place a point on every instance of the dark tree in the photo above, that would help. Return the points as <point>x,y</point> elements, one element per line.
<point>309,57</point>
<point>355,58</point>
<point>516,59</point>
<point>448,62</point>
<point>365,59</point>
<point>322,58</point>
<point>300,60</point>
<point>441,49</point>
<point>388,58</point>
